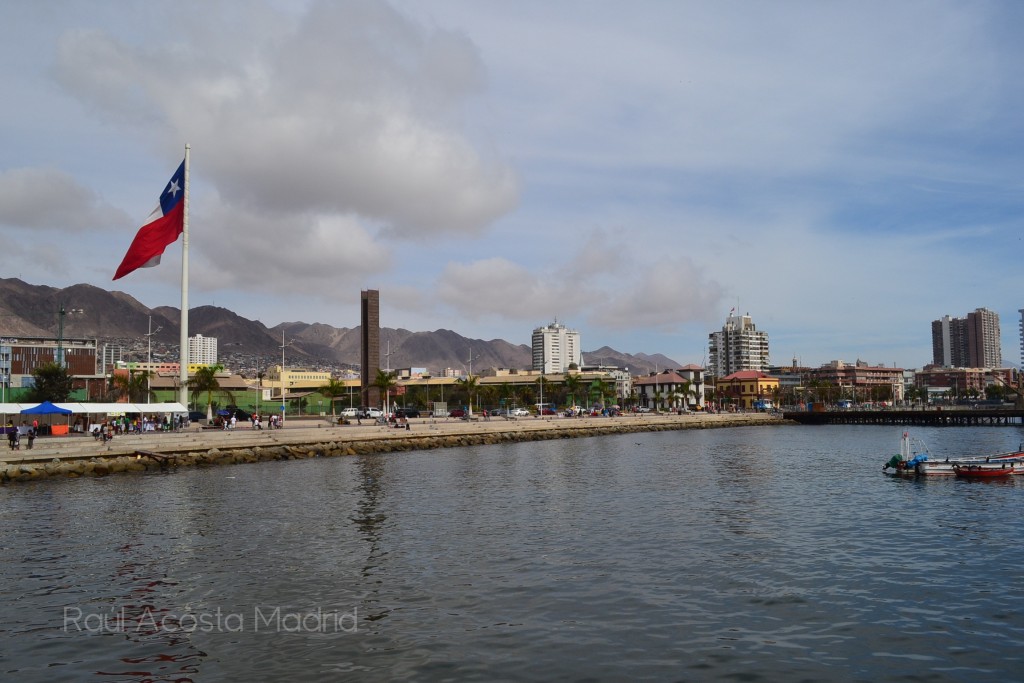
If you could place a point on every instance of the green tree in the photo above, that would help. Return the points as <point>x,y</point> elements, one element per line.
<point>52,383</point>
<point>469,385</point>
<point>385,381</point>
<point>205,381</point>
<point>332,390</point>
<point>573,386</point>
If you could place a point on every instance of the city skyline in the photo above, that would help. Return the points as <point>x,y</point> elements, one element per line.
<point>845,173</point>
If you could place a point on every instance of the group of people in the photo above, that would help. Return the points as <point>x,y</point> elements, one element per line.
<point>27,430</point>
<point>273,422</point>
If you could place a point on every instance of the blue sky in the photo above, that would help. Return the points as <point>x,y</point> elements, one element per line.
<point>844,172</point>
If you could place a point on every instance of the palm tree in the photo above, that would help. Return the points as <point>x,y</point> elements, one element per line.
<point>134,386</point>
<point>385,381</point>
<point>332,390</point>
<point>469,385</point>
<point>573,385</point>
<point>205,380</point>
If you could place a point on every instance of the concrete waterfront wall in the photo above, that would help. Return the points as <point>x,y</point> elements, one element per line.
<point>202,449</point>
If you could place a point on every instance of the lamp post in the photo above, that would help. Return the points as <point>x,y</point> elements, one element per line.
<point>60,330</point>
<point>280,375</point>
<point>149,357</point>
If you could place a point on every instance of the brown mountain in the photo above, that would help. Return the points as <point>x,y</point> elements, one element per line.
<point>32,310</point>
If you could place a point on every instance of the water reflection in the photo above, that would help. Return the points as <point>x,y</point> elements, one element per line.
<point>370,521</point>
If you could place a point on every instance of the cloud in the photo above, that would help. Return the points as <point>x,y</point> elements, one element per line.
<point>52,200</point>
<point>347,109</point>
<point>310,254</point>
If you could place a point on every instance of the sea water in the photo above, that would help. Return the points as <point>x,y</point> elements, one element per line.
<point>755,554</point>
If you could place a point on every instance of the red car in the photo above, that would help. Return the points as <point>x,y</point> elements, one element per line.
<point>458,412</point>
<point>548,411</point>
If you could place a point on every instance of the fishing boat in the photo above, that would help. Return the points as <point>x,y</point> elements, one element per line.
<point>984,470</point>
<point>909,463</point>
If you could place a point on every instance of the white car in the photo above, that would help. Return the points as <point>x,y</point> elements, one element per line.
<point>350,412</point>
<point>374,413</point>
<point>519,412</point>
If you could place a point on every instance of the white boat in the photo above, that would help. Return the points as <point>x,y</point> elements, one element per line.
<point>907,462</point>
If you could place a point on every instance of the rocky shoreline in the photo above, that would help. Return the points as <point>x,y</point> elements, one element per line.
<point>204,448</point>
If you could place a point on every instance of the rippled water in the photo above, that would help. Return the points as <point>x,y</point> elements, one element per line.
<point>756,554</point>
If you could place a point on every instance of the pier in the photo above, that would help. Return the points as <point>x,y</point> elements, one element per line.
<point>966,417</point>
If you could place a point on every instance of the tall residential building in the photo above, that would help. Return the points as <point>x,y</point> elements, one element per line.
<point>984,348</point>
<point>971,342</point>
<point>555,347</point>
<point>1021,326</point>
<point>739,346</point>
<point>949,342</point>
<point>202,350</point>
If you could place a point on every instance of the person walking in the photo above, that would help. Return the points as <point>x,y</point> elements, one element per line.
<point>12,435</point>
<point>31,437</point>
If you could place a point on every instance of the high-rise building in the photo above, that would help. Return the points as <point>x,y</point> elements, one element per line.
<point>949,342</point>
<point>555,348</point>
<point>1021,326</point>
<point>971,342</point>
<point>202,350</point>
<point>739,346</point>
<point>984,349</point>
<point>369,340</point>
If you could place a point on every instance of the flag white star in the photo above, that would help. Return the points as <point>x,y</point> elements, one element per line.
<point>173,188</point>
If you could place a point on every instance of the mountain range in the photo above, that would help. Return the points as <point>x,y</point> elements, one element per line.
<point>91,312</point>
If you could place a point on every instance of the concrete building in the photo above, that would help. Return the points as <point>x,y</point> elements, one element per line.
<point>744,388</point>
<point>1021,330</point>
<point>555,348</point>
<point>971,342</point>
<point>369,346</point>
<point>202,350</point>
<point>738,347</point>
<point>949,342</point>
<point>984,348</point>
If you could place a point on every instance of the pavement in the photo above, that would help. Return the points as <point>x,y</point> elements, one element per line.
<point>306,431</point>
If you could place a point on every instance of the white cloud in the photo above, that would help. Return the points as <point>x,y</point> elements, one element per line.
<point>350,109</point>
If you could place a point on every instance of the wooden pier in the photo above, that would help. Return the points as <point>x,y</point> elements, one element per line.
<point>932,418</point>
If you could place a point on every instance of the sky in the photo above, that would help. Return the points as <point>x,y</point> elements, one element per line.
<point>844,172</point>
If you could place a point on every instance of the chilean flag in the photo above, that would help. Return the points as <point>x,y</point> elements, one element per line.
<point>161,229</point>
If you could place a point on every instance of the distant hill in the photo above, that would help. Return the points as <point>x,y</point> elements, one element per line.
<point>31,310</point>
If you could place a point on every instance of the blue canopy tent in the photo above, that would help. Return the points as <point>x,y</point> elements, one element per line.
<point>47,408</point>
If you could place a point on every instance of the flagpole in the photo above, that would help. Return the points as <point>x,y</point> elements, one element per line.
<point>183,389</point>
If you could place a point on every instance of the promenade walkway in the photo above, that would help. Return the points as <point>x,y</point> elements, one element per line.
<point>306,431</point>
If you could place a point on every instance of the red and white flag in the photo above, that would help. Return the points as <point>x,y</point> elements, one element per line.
<point>161,229</point>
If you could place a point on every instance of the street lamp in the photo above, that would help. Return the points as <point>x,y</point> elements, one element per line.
<point>149,357</point>
<point>280,375</point>
<point>60,330</point>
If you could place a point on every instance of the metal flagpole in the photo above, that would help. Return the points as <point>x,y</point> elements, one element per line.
<point>183,373</point>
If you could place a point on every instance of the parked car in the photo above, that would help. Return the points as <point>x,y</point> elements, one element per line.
<point>373,413</point>
<point>548,411</point>
<point>196,416</point>
<point>519,412</point>
<point>240,415</point>
<point>406,412</point>
<point>498,412</point>
<point>458,412</point>
<point>350,412</point>
<point>643,409</point>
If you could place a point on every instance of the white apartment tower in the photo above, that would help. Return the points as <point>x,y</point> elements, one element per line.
<point>202,350</point>
<point>1021,311</point>
<point>555,347</point>
<point>739,346</point>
